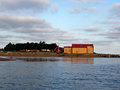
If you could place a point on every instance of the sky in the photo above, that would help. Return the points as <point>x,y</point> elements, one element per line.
<point>64,22</point>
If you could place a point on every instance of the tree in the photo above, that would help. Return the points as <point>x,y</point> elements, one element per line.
<point>29,46</point>
<point>9,47</point>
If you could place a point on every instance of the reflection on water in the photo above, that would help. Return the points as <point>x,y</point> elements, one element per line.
<point>73,60</point>
<point>37,59</point>
<point>80,60</point>
<point>40,59</point>
<point>54,73</point>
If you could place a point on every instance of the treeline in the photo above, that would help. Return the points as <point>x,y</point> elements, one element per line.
<point>30,46</point>
<point>1,49</point>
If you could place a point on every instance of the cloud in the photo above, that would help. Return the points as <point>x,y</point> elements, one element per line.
<point>5,36</point>
<point>13,22</point>
<point>85,1</point>
<point>88,29</point>
<point>114,35</point>
<point>21,24</point>
<point>92,29</point>
<point>59,38</point>
<point>108,22</point>
<point>26,5</point>
<point>117,28</point>
<point>5,39</point>
<point>79,10</point>
<point>24,29</point>
<point>115,11</point>
<point>113,28</point>
<point>39,30</point>
<point>102,42</point>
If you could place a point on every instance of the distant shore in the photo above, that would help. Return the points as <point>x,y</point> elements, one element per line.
<point>50,54</point>
<point>6,59</point>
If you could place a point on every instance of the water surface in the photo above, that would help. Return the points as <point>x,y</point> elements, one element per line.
<point>58,73</point>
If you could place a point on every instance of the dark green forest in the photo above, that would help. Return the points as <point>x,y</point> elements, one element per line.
<point>28,46</point>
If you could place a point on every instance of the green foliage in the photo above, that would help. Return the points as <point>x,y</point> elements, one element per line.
<point>29,46</point>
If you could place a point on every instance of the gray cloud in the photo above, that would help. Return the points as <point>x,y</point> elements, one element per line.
<point>113,35</point>
<point>102,42</point>
<point>92,29</point>
<point>85,1</point>
<point>59,38</point>
<point>108,22</point>
<point>115,11</point>
<point>113,30</point>
<point>79,10</point>
<point>113,27</point>
<point>88,29</point>
<point>26,5</point>
<point>11,22</point>
<point>23,29</point>
<point>5,36</point>
<point>39,30</point>
<point>5,39</point>
<point>117,28</point>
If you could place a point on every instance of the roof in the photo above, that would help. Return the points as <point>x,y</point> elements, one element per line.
<point>67,47</point>
<point>81,45</point>
<point>78,46</point>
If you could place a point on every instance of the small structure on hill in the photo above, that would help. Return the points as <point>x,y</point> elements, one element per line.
<point>79,49</point>
<point>45,50</point>
<point>32,50</point>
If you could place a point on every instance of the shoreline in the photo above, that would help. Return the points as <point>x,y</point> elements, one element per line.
<point>50,54</point>
<point>6,59</point>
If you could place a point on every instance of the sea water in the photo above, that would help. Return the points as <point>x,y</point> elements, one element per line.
<point>59,73</point>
